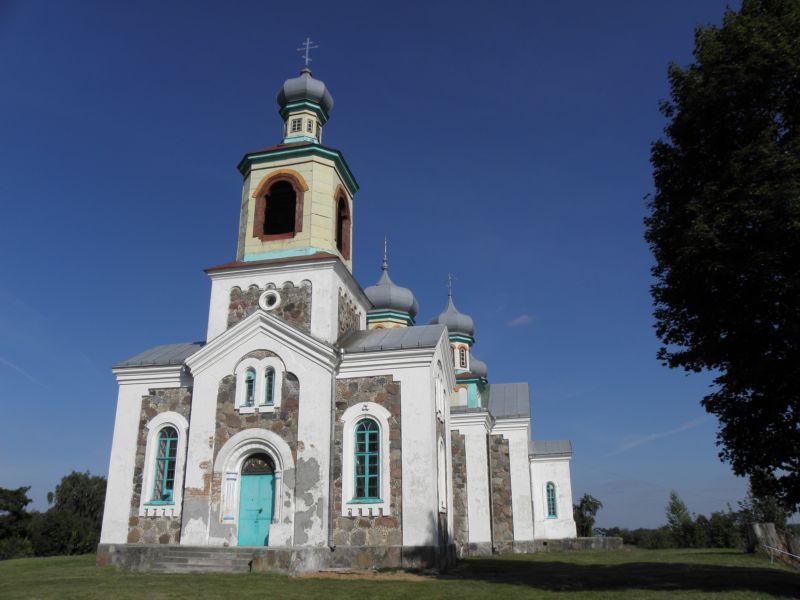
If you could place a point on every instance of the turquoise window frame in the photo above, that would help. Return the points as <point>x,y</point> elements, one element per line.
<point>552,508</point>
<point>269,387</point>
<point>249,387</point>
<point>165,466</point>
<point>367,462</point>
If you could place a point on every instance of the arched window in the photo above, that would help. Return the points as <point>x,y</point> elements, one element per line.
<point>367,460</point>
<point>462,357</point>
<point>249,387</point>
<point>269,386</point>
<point>164,481</point>
<point>258,464</point>
<point>552,513</point>
<point>279,212</point>
<point>343,227</point>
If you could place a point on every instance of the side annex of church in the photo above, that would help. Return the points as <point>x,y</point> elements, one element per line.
<point>319,426</point>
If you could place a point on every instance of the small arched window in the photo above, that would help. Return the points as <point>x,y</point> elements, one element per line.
<point>462,357</point>
<point>249,387</point>
<point>343,227</point>
<point>164,481</point>
<point>367,460</point>
<point>552,512</point>
<point>269,386</point>
<point>280,209</point>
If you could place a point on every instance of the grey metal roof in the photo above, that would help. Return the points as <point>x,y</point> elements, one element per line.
<point>164,355</point>
<point>456,321</point>
<point>553,448</point>
<point>509,400</point>
<point>305,87</point>
<point>397,338</point>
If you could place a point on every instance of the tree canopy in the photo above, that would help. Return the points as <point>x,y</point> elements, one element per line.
<point>724,228</point>
<point>584,514</point>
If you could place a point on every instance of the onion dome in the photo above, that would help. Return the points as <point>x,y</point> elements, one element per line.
<point>305,87</point>
<point>386,295</point>
<point>456,322</point>
<point>478,367</point>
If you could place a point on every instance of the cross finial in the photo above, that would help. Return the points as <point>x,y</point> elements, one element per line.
<point>307,46</point>
<point>450,279</point>
<point>385,254</point>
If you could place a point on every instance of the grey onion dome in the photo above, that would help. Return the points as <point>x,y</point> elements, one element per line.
<point>305,87</point>
<point>456,322</point>
<point>478,367</point>
<point>387,295</point>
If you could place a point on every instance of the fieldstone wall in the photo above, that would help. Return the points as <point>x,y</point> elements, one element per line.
<point>282,421</point>
<point>502,510</point>
<point>295,306</point>
<point>369,531</point>
<point>349,316</point>
<point>155,530</point>
<point>460,514</point>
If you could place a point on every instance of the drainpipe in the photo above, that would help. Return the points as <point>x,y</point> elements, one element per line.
<point>491,490</point>
<point>332,456</point>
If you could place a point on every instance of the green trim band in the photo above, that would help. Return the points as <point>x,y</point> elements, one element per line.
<point>314,150</point>
<point>457,337</point>
<point>365,501</point>
<point>301,104</point>
<point>389,314</point>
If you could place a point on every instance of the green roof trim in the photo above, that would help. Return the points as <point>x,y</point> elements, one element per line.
<point>309,150</point>
<point>300,104</point>
<point>377,315</point>
<point>457,337</point>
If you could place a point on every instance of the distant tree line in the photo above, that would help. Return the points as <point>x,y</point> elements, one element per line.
<point>70,526</point>
<point>721,529</point>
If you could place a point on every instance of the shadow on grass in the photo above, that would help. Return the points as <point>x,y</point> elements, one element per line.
<point>570,577</point>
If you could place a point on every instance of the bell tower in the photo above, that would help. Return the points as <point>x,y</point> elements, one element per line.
<point>297,196</point>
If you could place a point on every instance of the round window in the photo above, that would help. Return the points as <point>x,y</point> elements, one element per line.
<point>269,300</point>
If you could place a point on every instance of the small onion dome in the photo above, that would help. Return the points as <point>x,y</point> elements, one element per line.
<point>478,367</point>
<point>305,87</point>
<point>455,321</point>
<point>387,295</point>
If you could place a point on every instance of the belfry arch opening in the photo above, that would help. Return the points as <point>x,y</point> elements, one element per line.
<point>343,227</point>
<point>280,210</point>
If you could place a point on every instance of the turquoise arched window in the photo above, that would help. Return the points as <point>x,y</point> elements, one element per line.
<point>165,465</point>
<point>367,460</point>
<point>269,386</point>
<point>551,500</point>
<point>249,387</point>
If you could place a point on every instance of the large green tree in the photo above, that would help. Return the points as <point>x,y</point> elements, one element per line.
<point>724,228</point>
<point>584,513</point>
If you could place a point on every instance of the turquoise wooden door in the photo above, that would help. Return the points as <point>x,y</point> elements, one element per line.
<point>255,509</point>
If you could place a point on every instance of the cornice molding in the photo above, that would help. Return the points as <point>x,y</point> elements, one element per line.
<point>154,376</point>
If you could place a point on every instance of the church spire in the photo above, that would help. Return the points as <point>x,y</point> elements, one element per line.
<point>392,305</point>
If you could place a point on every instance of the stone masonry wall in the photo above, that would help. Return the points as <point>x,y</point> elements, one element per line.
<point>460,514</point>
<point>349,317</point>
<point>282,421</point>
<point>295,306</point>
<point>369,531</point>
<point>155,530</point>
<point>502,510</point>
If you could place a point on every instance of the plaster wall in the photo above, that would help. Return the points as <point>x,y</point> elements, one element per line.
<point>311,469</point>
<point>133,385</point>
<point>557,471</point>
<point>328,278</point>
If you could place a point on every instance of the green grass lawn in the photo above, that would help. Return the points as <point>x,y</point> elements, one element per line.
<point>629,573</point>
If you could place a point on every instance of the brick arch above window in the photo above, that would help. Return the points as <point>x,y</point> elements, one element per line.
<point>344,229</point>
<point>261,195</point>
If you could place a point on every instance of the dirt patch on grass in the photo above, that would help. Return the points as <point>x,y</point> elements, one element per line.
<point>389,575</point>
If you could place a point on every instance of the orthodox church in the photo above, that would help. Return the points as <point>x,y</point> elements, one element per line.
<point>319,426</point>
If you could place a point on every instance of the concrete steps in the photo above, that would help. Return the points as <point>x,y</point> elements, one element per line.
<point>187,559</point>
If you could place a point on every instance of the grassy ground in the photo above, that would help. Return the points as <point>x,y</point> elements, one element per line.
<point>627,574</point>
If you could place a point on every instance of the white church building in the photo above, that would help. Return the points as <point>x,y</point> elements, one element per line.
<point>318,425</point>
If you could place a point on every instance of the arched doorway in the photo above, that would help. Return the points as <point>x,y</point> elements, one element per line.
<point>256,500</point>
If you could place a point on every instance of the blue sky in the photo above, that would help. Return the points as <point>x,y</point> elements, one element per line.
<point>505,142</point>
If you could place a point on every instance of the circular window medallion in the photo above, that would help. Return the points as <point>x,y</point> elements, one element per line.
<point>269,300</point>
